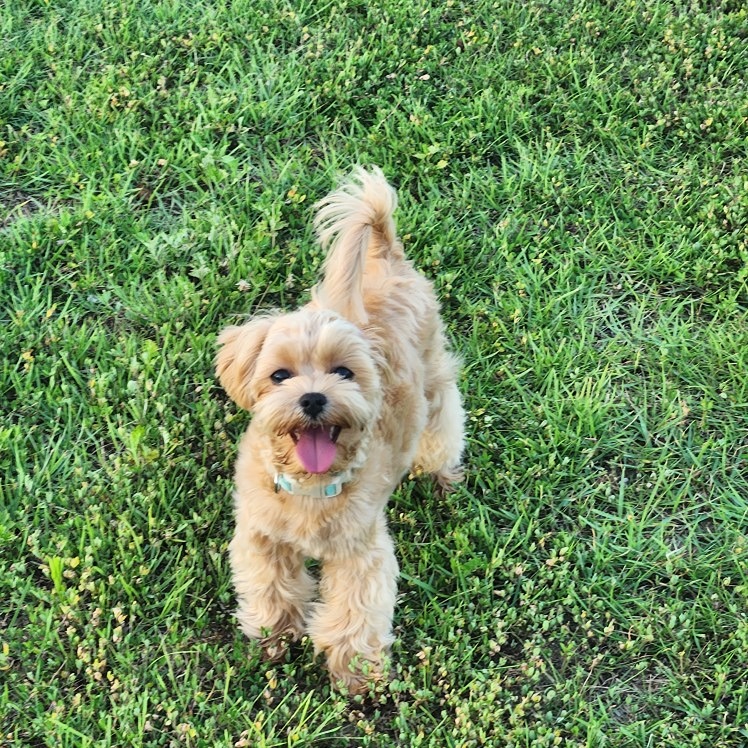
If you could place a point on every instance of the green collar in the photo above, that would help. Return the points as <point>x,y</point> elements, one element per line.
<point>315,491</point>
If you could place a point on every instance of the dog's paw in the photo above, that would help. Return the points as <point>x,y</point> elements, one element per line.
<point>362,676</point>
<point>445,478</point>
<point>275,645</point>
<point>448,478</point>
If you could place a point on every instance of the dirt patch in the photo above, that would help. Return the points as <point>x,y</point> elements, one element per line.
<point>15,204</point>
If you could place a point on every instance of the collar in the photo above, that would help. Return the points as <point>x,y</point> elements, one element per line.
<point>314,490</point>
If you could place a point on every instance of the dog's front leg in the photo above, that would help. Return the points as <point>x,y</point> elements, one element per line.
<point>272,588</point>
<point>352,624</point>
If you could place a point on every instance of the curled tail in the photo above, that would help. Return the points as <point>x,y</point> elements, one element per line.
<point>352,223</point>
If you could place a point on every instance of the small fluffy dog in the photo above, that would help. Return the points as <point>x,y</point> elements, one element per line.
<point>347,394</point>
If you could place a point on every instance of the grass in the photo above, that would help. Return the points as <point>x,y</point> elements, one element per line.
<point>572,177</point>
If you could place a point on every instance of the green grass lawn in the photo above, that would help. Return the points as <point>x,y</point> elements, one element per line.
<point>573,176</point>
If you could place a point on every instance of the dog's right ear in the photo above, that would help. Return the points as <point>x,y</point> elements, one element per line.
<point>240,345</point>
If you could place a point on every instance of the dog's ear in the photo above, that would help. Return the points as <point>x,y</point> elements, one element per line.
<point>239,347</point>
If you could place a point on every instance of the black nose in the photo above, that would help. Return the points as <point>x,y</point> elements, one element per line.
<point>313,403</point>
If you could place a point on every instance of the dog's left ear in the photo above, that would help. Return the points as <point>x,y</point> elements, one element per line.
<point>240,345</point>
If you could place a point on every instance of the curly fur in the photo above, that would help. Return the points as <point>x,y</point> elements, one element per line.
<point>400,409</point>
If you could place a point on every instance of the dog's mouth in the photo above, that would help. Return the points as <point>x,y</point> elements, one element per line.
<point>316,447</point>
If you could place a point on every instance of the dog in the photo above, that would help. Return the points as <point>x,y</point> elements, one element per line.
<point>347,395</point>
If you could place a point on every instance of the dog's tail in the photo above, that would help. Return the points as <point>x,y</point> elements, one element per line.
<point>354,223</point>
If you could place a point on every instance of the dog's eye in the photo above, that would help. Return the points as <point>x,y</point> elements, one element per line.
<point>343,372</point>
<point>280,376</point>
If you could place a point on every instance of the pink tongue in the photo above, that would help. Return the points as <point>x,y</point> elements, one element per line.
<point>316,450</point>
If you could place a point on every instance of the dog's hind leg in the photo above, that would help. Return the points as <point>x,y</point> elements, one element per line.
<point>443,440</point>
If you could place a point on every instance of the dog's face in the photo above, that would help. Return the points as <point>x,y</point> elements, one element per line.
<point>311,382</point>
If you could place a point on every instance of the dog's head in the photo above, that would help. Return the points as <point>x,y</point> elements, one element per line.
<point>310,380</point>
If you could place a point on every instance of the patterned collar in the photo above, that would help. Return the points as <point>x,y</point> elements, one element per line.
<point>316,491</point>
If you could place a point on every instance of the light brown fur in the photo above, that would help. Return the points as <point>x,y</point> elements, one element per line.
<point>375,315</point>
